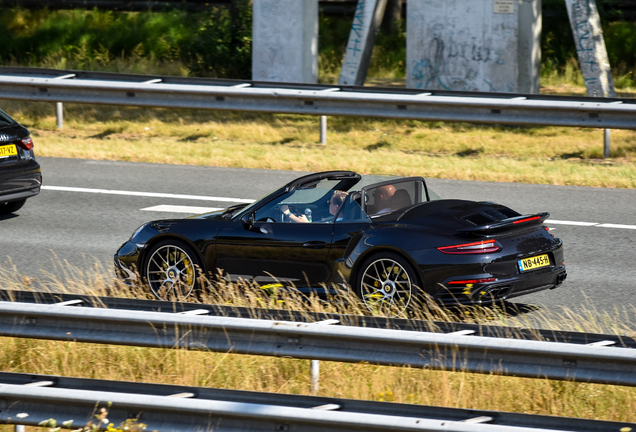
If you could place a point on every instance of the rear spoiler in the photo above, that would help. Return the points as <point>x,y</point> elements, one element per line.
<point>505,224</point>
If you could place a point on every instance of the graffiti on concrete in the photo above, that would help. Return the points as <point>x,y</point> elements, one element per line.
<point>453,61</point>
<point>357,28</point>
<point>590,47</point>
<point>365,25</point>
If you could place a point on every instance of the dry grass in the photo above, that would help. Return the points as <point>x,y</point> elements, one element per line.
<point>547,155</point>
<point>357,381</point>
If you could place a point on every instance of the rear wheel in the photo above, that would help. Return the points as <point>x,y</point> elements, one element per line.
<point>387,284</point>
<point>10,207</point>
<point>171,270</point>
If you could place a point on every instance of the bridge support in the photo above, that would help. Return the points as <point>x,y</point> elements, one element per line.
<point>285,41</point>
<point>474,45</point>
<point>366,23</point>
<point>590,47</point>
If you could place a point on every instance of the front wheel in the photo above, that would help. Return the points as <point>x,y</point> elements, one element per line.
<point>12,206</point>
<point>387,284</point>
<point>171,270</point>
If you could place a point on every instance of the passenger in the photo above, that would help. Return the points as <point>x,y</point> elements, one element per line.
<point>381,197</point>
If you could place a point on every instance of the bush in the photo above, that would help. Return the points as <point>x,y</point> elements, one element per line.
<point>222,47</point>
<point>32,36</point>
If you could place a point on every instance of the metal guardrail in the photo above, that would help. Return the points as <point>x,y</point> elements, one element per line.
<point>492,331</point>
<point>200,93</point>
<point>595,363</point>
<point>169,408</point>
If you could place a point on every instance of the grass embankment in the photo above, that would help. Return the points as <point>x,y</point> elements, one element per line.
<point>546,155</point>
<point>357,381</point>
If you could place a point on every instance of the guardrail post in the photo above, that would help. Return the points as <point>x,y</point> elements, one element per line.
<point>315,376</point>
<point>606,143</point>
<point>59,113</point>
<point>323,129</point>
<point>20,428</point>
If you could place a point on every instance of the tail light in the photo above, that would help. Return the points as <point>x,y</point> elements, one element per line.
<point>471,281</point>
<point>486,246</point>
<point>527,219</point>
<point>26,143</point>
<point>548,230</point>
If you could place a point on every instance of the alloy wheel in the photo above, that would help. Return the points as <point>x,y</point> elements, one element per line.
<point>386,287</point>
<point>171,273</point>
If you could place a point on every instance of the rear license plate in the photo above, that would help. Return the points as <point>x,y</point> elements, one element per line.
<point>8,150</point>
<point>534,262</point>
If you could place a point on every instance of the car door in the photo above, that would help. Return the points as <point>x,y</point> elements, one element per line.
<point>265,247</point>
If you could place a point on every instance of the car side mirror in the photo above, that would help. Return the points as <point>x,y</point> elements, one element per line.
<point>248,220</point>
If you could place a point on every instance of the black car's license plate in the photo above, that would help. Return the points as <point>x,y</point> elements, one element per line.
<point>8,150</point>
<point>534,262</point>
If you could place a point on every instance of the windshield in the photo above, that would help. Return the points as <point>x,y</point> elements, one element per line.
<point>5,120</point>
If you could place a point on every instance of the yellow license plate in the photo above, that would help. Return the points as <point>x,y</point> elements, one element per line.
<point>534,262</point>
<point>8,150</point>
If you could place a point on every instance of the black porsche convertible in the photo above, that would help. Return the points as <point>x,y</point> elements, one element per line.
<point>390,240</point>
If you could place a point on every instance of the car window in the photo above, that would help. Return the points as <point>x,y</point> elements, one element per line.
<point>5,120</point>
<point>352,212</point>
<point>312,203</point>
<point>396,195</point>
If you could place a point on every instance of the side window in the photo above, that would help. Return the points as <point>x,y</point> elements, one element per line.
<point>387,198</point>
<point>352,212</point>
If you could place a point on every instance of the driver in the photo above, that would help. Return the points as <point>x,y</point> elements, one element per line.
<point>335,203</point>
<point>293,217</point>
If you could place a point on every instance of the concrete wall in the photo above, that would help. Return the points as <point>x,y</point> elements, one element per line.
<point>285,41</point>
<point>474,45</point>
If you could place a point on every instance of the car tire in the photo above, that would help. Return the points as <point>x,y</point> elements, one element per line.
<point>387,284</point>
<point>172,270</point>
<point>12,206</point>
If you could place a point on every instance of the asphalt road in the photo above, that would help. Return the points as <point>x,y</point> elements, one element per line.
<point>69,222</point>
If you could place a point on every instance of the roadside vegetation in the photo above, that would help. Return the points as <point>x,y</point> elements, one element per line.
<point>357,381</point>
<point>547,155</point>
<point>173,43</point>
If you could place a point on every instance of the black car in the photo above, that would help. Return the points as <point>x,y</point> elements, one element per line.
<point>20,174</point>
<point>390,240</point>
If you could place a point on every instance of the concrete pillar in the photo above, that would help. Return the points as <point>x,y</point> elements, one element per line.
<point>366,23</point>
<point>590,47</point>
<point>474,45</point>
<point>285,41</point>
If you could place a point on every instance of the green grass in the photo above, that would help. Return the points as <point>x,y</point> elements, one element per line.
<point>97,40</point>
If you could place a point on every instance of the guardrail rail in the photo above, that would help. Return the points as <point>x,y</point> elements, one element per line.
<point>314,99</point>
<point>596,362</point>
<point>32,399</point>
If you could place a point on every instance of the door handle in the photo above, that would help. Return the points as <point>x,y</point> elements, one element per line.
<point>315,244</point>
